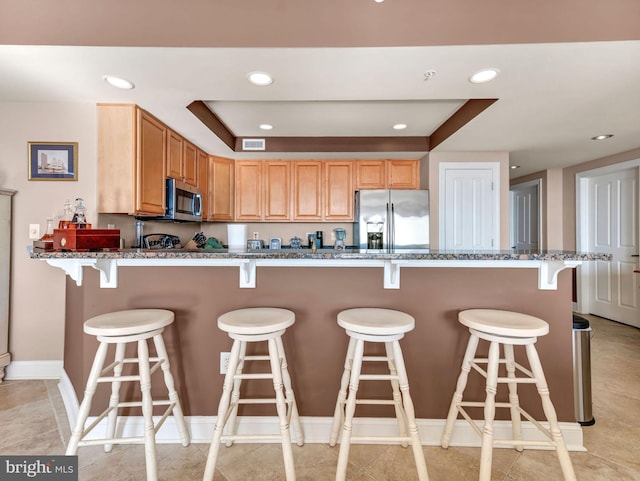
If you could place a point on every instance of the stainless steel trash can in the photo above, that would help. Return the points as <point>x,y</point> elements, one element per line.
<point>583,403</point>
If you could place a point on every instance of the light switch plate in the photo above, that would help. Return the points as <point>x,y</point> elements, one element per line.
<point>34,231</point>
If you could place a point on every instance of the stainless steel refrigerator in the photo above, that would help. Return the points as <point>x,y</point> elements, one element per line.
<point>391,219</point>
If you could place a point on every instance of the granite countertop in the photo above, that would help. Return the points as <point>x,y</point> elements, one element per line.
<point>347,254</point>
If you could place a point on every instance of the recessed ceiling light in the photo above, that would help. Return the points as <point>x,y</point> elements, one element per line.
<point>400,126</point>
<point>266,126</point>
<point>602,137</point>
<point>118,82</point>
<point>378,1</point>
<point>514,167</point>
<point>260,78</point>
<point>483,76</point>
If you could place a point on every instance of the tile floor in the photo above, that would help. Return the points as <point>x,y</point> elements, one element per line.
<point>33,421</point>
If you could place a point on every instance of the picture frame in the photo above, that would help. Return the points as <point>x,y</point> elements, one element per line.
<point>53,160</point>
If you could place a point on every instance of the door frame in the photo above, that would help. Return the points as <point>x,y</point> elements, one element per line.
<point>495,177</point>
<point>584,271</point>
<point>532,183</point>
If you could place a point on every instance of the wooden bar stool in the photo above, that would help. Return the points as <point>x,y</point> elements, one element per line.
<point>382,326</point>
<point>120,328</point>
<point>256,325</point>
<point>508,329</point>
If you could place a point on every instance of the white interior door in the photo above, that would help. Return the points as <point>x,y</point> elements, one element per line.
<point>613,229</point>
<point>525,216</point>
<point>469,215</point>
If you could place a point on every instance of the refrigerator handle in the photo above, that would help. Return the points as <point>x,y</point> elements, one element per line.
<point>388,227</point>
<point>393,226</point>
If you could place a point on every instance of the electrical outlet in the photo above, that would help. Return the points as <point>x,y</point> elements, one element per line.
<point>34,231</point>
<point>224,362</point>
<point>333,236</point>
<point>256,235</point>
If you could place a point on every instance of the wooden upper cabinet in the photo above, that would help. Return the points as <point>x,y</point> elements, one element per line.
<point>132,156</point>
<point>151,160</point>
<point>387,174</point>
<point>371,174</point>
<point>190,163</point>
<point>307,190</point>
<point>277,190</point>
<point>182,159</point>
<point>248,191</point>
<point>338,190</point>
<point>203,181</point>
<point>403,174</point>
<point>175,151</point>
<point>221,188</point>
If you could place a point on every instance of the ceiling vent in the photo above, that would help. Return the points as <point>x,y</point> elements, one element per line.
<point>253,144</point>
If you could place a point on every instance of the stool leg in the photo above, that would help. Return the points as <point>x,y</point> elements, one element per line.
<point>147,411</point>
<point>460,386</point>
<point>338,415</point>
<point>486,451</point>
<point>115,395</point>
<point>513,395</point>
<point>281,407</point>
<point>289,395</point>
<point>90,389</point>
<point>418,453</point>
<point>161,350</point>
<point>223,408</point>
<point>397,397</point>
<point>550,413</point>
<point>350,409</point>
<point>230,426</point>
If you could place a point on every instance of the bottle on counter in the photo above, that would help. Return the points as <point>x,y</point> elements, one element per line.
<point>319,239</point>
<point>48,234</point>
<point>79,220</point>
<point>67,215</point>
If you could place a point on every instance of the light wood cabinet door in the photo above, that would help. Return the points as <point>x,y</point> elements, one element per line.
<point>203,181</point>
<point>190,163</point>
<point>371,174</point>
<point>248,195</point>
<point>277,190</point>
<point>403,174</point>
<point>150,165</point>
<point>221,188</point>
<point>338,190</point>
<point>307,190</point>
<point>174,155</point>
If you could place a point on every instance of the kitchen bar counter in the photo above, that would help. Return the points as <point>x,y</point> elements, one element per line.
<point>548,263</point>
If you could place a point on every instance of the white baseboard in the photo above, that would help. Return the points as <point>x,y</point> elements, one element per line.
<point>316,429</point>
<point>28,370</point>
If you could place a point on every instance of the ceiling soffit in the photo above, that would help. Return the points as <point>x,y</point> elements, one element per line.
<point>446,127</point>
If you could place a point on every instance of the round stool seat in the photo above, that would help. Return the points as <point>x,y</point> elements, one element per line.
<point>256,320</point>
<point>503,323</point>
<point>128,323</point>
<point>376,321</point>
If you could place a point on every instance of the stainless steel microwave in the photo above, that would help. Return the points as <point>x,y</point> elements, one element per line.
<point>183,202</point>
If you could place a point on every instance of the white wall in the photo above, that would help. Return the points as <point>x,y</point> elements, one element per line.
<point>37,289</point>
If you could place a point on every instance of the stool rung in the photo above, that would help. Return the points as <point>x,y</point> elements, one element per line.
<point>250,437</point>
<point>265,375</point>
<point>94,442</point>
<point>375,401</point>
<point>130,377</point>
<point>397,439</point>
<point>262,357</point>
<point>133,404</point>
<point>519,380</point>
<point>375,358</point>
<point>480,404</point>
<point>378,377</point>
<point>521,442</point>
<point>257,401</point>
